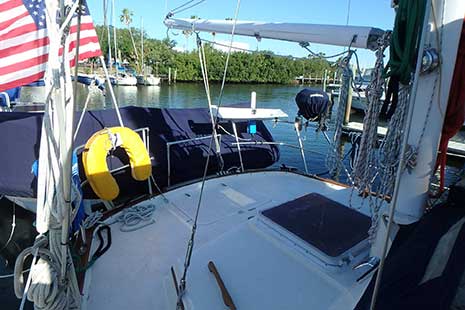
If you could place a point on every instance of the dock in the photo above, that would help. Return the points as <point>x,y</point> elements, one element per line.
<point>456,148</point>
<point>324,79</point>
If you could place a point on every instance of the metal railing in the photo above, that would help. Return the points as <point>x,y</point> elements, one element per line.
<point>168,150</point>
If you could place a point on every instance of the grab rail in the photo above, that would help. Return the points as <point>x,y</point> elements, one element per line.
<point>168,148</point>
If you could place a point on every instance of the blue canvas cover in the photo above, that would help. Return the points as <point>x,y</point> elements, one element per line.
<point>21,131</point>
<point>13,94</point>
<point>312,103</point>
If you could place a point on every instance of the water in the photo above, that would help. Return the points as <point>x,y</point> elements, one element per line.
<point>192,95</point>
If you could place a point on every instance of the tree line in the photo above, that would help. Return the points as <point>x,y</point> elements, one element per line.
<point>244,67</point>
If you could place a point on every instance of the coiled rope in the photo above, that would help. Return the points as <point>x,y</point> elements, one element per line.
<point>43,286</point>
<point>135,218</point>
<point>405,39</point>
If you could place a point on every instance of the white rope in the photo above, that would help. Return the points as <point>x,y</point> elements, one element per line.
<point>43,287</point>
<point>12,275</point>
<point>364,172</point>
<point>365,164</point>
<point>112,93</point>
<point>12,231</point>
<point>52,282</point>
<point>389,158</point>
<point>334,157</point>
<point>84,110</point>
<point>93,219</point>
<point>135,218</point>
<point>183,281</point>
<point>203,67</point>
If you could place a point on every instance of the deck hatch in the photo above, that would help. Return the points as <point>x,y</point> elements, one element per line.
<point>324,223</point>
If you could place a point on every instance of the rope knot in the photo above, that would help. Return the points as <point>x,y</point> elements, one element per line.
<point>411,155</point>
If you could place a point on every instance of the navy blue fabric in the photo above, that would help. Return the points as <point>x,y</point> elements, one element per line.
<point>408,259</point>
<point>86,80</point>
<point>13,94</point>
<point>21,138</point>
<point>37,83</point>
<point>312,103</point>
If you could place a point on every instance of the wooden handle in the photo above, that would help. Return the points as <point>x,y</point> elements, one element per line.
<point>224,292</point>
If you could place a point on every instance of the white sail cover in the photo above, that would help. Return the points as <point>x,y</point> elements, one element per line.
<point>362,37</point>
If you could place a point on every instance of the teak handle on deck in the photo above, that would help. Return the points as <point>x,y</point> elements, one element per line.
<point>224,292</point>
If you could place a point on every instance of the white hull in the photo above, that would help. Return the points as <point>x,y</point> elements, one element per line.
<point>148,80</point>
<point>124,81</point>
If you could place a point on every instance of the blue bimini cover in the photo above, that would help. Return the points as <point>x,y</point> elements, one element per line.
<point>21,131</point>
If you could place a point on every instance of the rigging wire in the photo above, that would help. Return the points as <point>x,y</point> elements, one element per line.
<point>306,45</point>
<point>183,7</point>
<point>190,245</point>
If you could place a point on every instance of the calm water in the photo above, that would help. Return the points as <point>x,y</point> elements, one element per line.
<point>190,95</point>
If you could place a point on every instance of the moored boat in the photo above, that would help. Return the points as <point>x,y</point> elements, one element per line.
<point>277,239</point>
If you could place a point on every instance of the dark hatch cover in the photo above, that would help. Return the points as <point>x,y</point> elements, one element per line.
<point>324,223</point>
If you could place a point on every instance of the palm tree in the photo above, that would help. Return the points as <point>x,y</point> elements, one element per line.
<point>126,18</point>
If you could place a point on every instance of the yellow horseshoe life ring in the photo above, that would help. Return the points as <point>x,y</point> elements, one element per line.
<point>94,159</point>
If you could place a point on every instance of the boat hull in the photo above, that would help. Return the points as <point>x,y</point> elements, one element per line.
<point>148,80</point>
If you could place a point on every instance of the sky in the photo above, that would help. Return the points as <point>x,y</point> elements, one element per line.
<point>375,13</point>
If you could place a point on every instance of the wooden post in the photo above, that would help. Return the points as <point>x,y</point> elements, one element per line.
<point>324,80</point>
<point>335,77</point>
<point>349,102</point>
<point>169,76</point>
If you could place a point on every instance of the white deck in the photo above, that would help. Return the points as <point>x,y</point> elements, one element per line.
<point>261,268</point>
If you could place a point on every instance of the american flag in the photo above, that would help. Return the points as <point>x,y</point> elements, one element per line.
<point>24,41</point>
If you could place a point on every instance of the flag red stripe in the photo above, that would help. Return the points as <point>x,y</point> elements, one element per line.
<point>25,47</point>
<point>22,81</point>
<point>6,24</point>
<point>19,31</point>
<point>10,5</point>
<point>84,26</point>
<point>85,55</point>
<point>24,64</point>
<point>82,42</point>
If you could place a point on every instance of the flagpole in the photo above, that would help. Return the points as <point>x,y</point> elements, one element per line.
<point>76,57</point>
<point>66,145</point>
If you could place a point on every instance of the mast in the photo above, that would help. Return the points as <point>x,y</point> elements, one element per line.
<point>107,25</point>
<point>428,103</point>
<point>142,46</point>
<point>114,35</point>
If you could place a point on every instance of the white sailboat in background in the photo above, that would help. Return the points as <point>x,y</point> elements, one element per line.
<point>121,77</point>
<point>280,239</point>
<point>146,78</point>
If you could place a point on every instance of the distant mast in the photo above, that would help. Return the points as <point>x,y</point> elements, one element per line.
<point>142,46</point>
<point>114,36</point>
